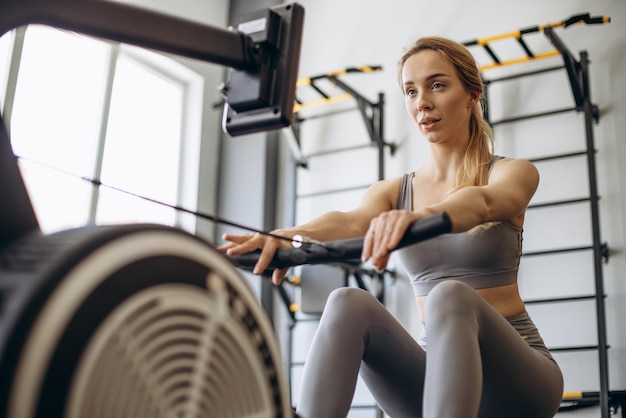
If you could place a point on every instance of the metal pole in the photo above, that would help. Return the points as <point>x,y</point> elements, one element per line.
<point>597,244</point>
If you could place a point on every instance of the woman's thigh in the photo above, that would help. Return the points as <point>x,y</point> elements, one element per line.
<point>518,380</point>
<point>393,365</point>
<point>475,352</point>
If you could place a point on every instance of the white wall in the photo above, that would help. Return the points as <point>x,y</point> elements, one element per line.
<point>353,33</point>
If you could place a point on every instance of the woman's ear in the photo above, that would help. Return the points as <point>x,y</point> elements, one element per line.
<point>474,98</point>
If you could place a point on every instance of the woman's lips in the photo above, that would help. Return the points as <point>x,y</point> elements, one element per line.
<point>428,123</point>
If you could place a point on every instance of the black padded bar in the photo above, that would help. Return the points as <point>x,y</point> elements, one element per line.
<point>347,249</point>
<point>133,25</point>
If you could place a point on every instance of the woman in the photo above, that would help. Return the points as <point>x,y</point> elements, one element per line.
<point>485,356</point>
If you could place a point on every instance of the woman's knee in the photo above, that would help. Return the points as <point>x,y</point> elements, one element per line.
<point>346,303</point>
<point>451,290</point>
<point>451,297</point>
<point>348,298</point>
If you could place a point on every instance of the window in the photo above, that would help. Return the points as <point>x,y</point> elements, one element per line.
<point>5,49</point>
<point>86,109</point>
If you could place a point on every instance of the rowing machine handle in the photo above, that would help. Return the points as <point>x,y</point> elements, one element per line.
<point>346,249</point>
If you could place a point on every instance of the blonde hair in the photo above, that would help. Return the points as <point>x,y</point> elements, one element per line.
<point>473,169</point>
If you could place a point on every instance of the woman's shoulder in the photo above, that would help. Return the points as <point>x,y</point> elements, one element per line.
<point>391,185</point>
<point>511,163</point>
<point>387,184</point>
<point>386,190</point>
<point>508,166</point>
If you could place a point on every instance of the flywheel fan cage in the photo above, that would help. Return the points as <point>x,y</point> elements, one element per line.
<point>168,350</point>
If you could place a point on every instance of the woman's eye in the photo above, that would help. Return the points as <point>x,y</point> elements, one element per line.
<point>411,91</point>
<point>437,86</point>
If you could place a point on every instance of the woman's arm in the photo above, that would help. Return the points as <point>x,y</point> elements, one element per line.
<point>329,226</point>
<point>354,223</point>
<point>512,183</point>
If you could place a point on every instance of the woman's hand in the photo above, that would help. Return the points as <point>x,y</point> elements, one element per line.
<point>241,244</point>
<point>384,234</point>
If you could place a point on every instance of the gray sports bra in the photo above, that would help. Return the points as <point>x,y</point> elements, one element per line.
<point>486,258</point>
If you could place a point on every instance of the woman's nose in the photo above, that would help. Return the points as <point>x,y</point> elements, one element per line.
<point>423,102</point>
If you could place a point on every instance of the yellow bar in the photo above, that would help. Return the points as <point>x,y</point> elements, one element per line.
<point>295,280</point>
<point>299,106</point>
<point>518,60</point>
<point>303,82</point>
<point>572,395</point>
<point>294,307</point>
<point>369,69</point>
<point>485,41</point>
<point>552,25</point>
<point>337,73</point>
<point>365,69</point>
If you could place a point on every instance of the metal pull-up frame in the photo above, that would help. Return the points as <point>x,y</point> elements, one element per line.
<point>518,35</point>
<point>570,63</point>
<point>371,112</point>
<point>325,97</point>
<point>578,74</point>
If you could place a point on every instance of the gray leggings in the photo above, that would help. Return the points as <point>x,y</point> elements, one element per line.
<point>479,364</point>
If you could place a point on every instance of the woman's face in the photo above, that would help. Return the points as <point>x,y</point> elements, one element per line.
<point>436,99</point>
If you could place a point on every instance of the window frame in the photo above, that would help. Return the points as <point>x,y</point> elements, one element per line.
<point>168,67</point>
